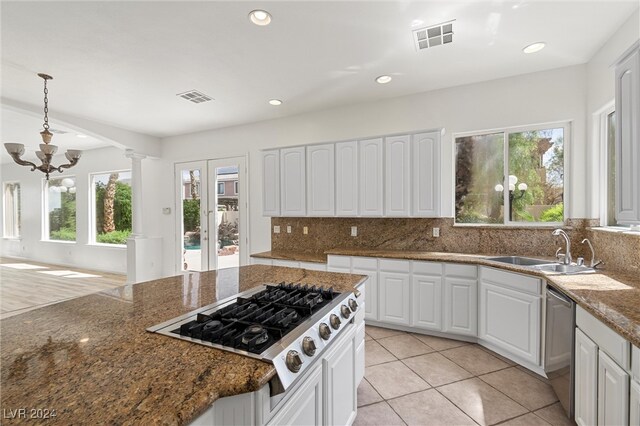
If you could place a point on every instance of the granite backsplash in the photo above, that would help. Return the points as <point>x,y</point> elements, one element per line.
<point>619,251</point>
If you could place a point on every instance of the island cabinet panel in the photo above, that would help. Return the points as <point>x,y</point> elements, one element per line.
<point>339,381</point>
<point>426,294</point>
<point>425,174</point>
<point>461,306</point>
<point>292,182</point>
<point>370,182</point>
<point>613,392</point>
<point>634,403</point>
<point>271,183</point>
<point>397,174</point>
<point>346,171</point>
<point>586,380</point>
<point>320,180</point>
<point>305,406</point>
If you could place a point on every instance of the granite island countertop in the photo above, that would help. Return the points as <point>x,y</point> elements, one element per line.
<point>92,361</point>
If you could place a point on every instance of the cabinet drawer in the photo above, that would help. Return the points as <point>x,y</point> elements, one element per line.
<point>606,339</point>
<point>427,268</point>
<point>261,261</point>
<point>512,280</point>
<point>464,271</point>
<point>388,265</point>
<point>287,263</point>
<point>339,261</point>
<point>366,263</point>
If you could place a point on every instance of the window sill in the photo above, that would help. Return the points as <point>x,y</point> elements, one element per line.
<point>59,241</point>
<point>105,245</point>
<point>12,238</point>
<point>615,230</point>
<point>548,225</point>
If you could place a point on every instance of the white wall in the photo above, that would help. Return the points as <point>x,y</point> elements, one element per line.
<point>81,253</point>
<point>541,97</point>
<point>600,92</point>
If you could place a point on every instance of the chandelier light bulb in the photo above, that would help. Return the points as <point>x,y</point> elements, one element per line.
<point>68,182</point>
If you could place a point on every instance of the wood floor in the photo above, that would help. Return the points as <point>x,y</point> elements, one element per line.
<point>27,285</point>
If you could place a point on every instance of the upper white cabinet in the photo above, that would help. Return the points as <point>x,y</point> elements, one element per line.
<point>292,182</point>
<point>397,175</point>
<point>628,138</point>
<point>370,183</point>
<point>347,179</point>
<point>425,174</point>
<point>271,183</point>
<point>320,180</point>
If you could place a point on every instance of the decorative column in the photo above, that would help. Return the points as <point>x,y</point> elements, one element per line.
<point>136,193</point>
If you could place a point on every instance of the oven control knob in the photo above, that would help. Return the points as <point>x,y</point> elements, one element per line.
<point>293,361</point>
<point>334,321</point>
<point>345,311</point>
<point>356,293</point>
<point>353,305</point>
<point>325,331</point>
<point>309,346</point>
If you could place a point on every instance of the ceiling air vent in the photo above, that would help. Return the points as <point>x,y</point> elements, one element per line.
<point>434,35</point>
<point>195,96</point>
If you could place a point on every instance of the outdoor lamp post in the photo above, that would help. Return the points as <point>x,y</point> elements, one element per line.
<point>512,187</point>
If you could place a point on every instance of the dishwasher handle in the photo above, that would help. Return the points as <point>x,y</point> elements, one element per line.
<point>562,299</point>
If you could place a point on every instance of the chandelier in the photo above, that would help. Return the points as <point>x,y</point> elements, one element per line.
<point>47,150</point>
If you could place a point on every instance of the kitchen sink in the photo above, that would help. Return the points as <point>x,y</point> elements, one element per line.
<point>565,269</point>
<point>521,261</point>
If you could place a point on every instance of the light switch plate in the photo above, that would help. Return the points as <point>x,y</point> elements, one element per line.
<point>288,229</point>
<point>436,232</point>
<point>276,229</point>
<point>354,231</point>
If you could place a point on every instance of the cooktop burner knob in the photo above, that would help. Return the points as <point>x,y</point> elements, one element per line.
<point>345,311</point>
<point>293,361</point>
<point>309,346</point>
<point>325,331</point>
<point>335,321</point>
<point>357,293</point>
<point>353,305</point>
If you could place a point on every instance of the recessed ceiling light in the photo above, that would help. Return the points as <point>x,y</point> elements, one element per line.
<point>383,79</point>
<point>260,17</point>
<point>535,47</point>
<point>275,102</point>
<point>80,135</point>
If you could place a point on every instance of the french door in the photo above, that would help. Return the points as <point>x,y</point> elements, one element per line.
<point>211,214</point>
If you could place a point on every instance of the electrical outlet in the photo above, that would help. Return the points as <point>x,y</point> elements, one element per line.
<point>436,232</point>
<point>305,230</point>
<point>288,229</point>
<point>276,229</point>
<point>354,231</point>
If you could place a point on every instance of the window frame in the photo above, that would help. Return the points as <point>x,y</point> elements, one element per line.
<point>46,237</point>
<point>235,187</point>
<point>566,125</point>
<point>4,210</point>
<point>223,188</point>
<point>93,235</point>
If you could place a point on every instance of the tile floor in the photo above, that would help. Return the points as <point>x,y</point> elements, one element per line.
<point>413,379</point>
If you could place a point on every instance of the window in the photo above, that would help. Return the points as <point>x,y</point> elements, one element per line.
<point>11,210</point>
<point>235,187</point>
<point>520,169</point>
<point>112,212</point>
<point>60,218</point>
<point>220,188</point>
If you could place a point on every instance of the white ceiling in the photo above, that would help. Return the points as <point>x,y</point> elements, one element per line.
<point>123,63</point>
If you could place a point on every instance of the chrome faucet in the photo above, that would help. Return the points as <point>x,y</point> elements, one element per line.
<point>567,256</point>
<point>593,262</point>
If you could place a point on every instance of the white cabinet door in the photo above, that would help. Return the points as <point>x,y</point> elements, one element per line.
<point>305,406</point>
<point>347,179</point>
<point>425,172</point>
<point>426,293</point>
<point>370,294</point>
<point>461,306</point>
<point>613,392</point>
<point>359,342</point>
<point>394,297</point>
<point>628,139</point>
<point>510,320</point>
<point>634,403</point>
<point>320,180</point>
<point>586,380</point>
<point>271,183</point>
<point>397,176</point>
<point>371,177</point>
<point>292,182</point>
<point>340,381</point>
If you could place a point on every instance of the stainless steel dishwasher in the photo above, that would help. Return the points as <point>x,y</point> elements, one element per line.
<point>559,341</point>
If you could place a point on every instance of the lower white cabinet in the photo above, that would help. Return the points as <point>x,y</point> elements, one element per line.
<point>586,380</point>
<point>461,306</point>
<point>305,407</point>
<point>613,392</point>
<point>394,291</point>
<point>634,403</point>
<point>339,381</point>
<point>371,293</point>
<point>426,296</point>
